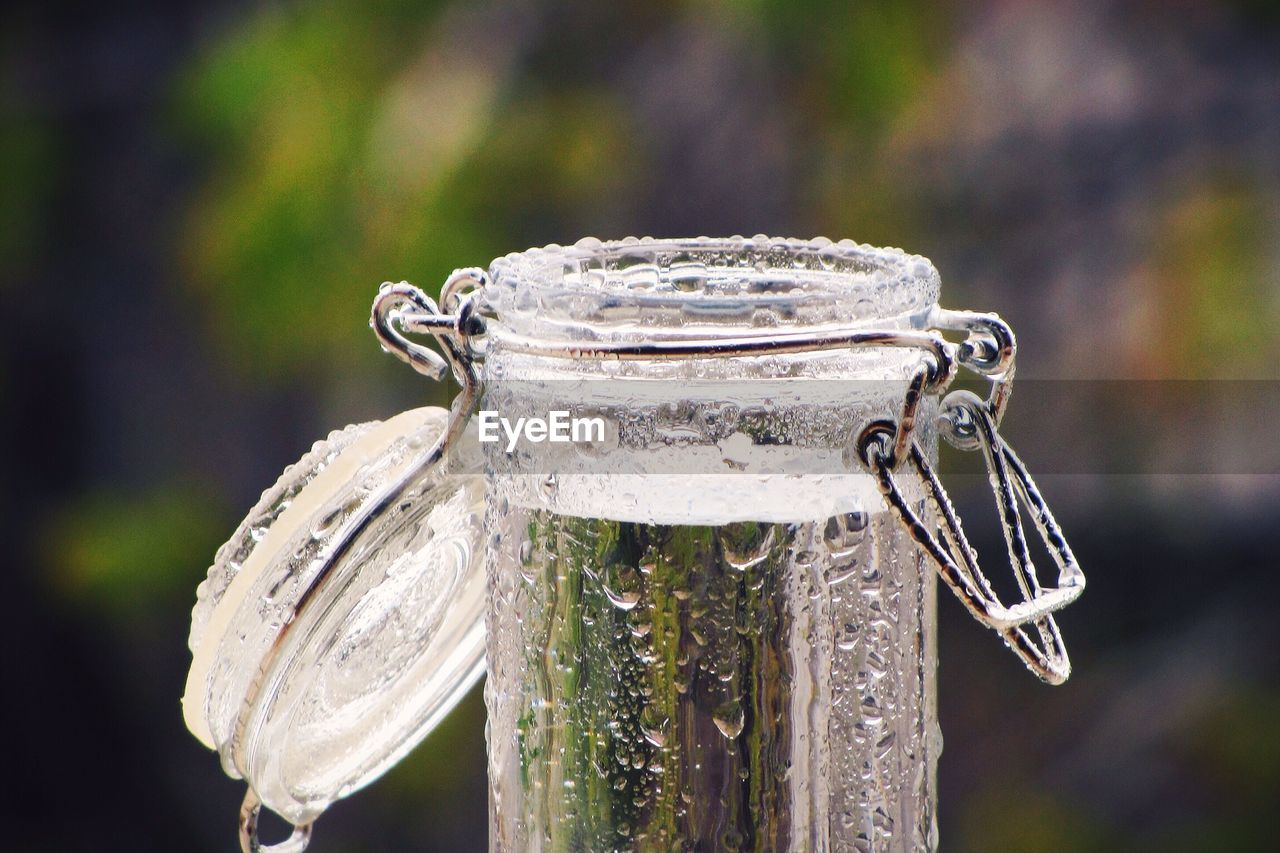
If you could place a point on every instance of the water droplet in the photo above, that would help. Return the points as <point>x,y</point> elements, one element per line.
<point>729,719</point>
<point>655,735</point>
<point>550,486</point>
<point>621,585</point>
<point>843,533</point>
<point>746,544</point>
<point>688,276</point>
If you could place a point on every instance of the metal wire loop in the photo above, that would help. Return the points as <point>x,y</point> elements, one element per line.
<point>403,306</point>
<point>907,420</point>
<point>249,843</point>
<point>956,560</point>
<point>890,439</point>
<point>461,281</point>
<point>989,349</point>
<point>388,308</point>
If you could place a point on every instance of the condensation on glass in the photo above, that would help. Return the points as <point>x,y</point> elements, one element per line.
<point>707,654</point>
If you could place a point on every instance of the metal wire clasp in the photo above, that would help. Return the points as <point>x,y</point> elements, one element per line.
<point>884,447</point>
<point>968,423</point>
<point>403,306</point>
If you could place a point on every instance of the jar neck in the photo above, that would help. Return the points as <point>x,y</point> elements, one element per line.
<point>699,438</point>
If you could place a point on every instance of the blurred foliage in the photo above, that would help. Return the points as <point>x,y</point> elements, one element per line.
<point>279,233</point>
<point>858,64</point>
<point>854,72</point>
<point>1229,761</point>
<point>127,554</point>
<point>1219,301</point>
<point>1023,818</point>
<point>1235,750</point>
<point>28,174</point>
<point>355,139</point>
<point>27,160</point>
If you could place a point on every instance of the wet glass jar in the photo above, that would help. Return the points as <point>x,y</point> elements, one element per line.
<point>705,630</point>
<point>684,508</point>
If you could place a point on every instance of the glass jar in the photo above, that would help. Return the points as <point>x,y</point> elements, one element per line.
<point>693,526</point>
<point>705,629</point>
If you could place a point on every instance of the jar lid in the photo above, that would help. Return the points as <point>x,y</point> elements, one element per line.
<point>345,616</point>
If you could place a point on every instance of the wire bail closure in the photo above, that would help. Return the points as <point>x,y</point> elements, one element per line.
<point>883,447</point>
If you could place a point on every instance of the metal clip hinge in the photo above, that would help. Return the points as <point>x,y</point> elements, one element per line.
<point>955,559</point>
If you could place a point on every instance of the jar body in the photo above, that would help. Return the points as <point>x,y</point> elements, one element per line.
<point>705,631</point>
<point>764,708</point>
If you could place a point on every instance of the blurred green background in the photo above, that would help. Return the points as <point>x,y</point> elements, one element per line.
<point>198,201</point>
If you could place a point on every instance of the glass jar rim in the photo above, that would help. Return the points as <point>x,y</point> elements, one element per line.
<point>669,283</point>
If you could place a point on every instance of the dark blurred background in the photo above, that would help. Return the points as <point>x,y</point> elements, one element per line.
<point>198,201</point>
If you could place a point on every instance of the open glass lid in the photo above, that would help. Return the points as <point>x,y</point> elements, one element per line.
<point>345,616</point>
